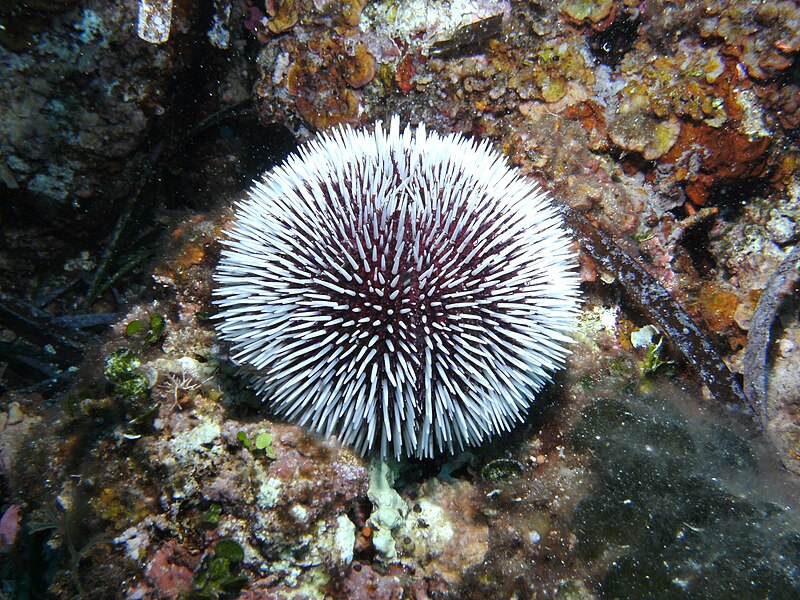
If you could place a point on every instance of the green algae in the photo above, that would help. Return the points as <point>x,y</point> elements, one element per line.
<point>502,470</point>
<point>121,371</point>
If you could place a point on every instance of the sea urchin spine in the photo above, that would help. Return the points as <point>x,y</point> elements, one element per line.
<point>402,290</point>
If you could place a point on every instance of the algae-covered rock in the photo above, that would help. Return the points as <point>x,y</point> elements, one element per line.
<point>681,502</point>
<point>389,508</point>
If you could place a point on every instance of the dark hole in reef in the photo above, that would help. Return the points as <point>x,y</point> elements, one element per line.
<point>731,198</point>
<point>631,161</point>
<point>787,81</point>
<point>611,45</point>
<point>212,147</point>
<point>791,75</point>
<point>224,158</point>
<point>696,243</point>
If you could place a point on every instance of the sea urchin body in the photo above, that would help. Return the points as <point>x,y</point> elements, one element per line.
<point>405,291</point>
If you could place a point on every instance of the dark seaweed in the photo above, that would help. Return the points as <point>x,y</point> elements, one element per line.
<point>643,290</point>
<point>755,354</point>
<point>469,39</point>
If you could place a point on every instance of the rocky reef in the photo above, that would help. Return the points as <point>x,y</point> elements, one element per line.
<point>136,462</point>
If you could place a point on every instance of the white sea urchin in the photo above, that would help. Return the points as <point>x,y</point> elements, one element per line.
<point>405,291</point>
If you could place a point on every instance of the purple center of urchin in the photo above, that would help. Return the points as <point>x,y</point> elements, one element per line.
<point>406,292</point>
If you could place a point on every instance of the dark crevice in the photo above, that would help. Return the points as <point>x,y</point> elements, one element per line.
<point>791,75</point>
<point>696,243</point>
<point>232,152</point>
<point>611,45</point>
<point>731,198</point>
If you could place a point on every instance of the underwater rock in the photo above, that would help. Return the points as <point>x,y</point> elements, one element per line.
<point>682,505</point>
<point>389,509</point>
<point>643,133</point>
<point>437,530</point>
<point>666,507</point>
<point>78,101</point>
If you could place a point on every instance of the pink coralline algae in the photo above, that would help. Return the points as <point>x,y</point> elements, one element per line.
<point>9,526</point>
<point>171,570</point>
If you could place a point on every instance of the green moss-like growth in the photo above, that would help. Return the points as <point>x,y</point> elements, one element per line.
<point>215,577</point>
<point>120,370</point>
<point>242,437</point>
<point>230,550</point>
<point>502,470</point>
<point>262,445</point>
<point>675,500</point>
<point>210,518</point>
<point>121,365</point>
<point>653,359</point>
<point>133,389</point>
<point>134,328</point>
<point>156,330</point>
